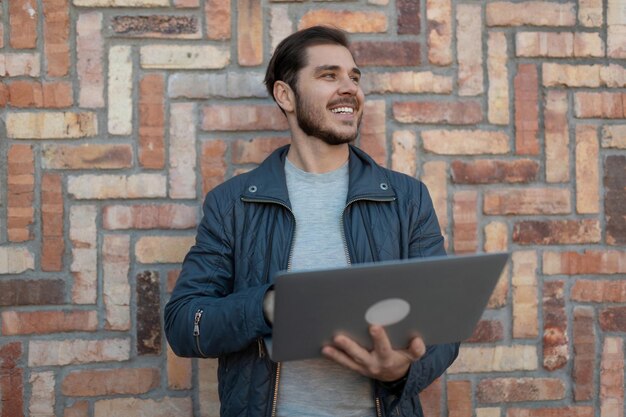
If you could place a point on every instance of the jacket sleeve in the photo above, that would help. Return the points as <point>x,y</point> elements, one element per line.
<point>227,321</point>
<point>426,240</point>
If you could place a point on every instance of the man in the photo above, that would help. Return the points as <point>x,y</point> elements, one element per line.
<point>317,203</point>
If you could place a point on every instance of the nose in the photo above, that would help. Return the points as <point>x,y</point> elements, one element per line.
<point>348,86</point>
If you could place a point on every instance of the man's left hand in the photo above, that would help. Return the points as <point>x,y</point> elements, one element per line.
<point>382,362</point>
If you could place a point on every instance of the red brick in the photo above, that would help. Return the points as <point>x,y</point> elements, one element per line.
<point>350,21</point>
<point>31,292</point>
<point>465,216</point>
<point>526,110</point>
<point>613,319</point>
<point>519,389</point>
<point>21,193</point>
<point>433,112</point>
<point>77,409</point>
<point>23,17</point>
<point>35,94</point>
<point>249,32</point>
<point>582,411</point>
<point>42,322</point>
<point>254,151</point>
<point>408,17</point>
<point>4,95</point>
<point>243,117</point>
<point>487,331</point>
<point>615,199</point>
<point>179,371</point>
<point>489,171</point>
<point>172,277</point>
<point>11,380</point>
<point>162,216</point>
<point>599,291</point>
<point>555,340</point>
<point>87,156</point>
<point>373,137</point>
<point>557,232</point>
<point>584,341</point>
<point>431,398</point>
<point>589,262</point>
<point>53,245</point>
<point>386,54</point>
<point>218,18</point>
<point>91,383</point>
<point>527,201</point>
<point>56,32</point>
<point>152,121</point>
<point>605,105</point>
<point>459,398</point>
<point>213,164</point>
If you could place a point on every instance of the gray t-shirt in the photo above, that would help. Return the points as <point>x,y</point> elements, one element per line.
<point>320,387</point>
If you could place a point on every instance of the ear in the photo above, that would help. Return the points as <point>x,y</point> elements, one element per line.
<point>284,96</point>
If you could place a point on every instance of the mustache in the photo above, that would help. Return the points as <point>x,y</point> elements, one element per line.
<point>345,102</point>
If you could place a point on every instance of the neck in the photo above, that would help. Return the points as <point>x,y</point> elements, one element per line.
<point>315,156</point>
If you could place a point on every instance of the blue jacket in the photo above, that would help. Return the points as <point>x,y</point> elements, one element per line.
<point>245,237</point>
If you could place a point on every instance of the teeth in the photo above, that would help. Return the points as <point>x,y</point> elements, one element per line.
<point>348,110</point>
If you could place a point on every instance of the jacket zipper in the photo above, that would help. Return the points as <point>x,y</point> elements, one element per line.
<point>260,342</point>
<point>378,410</point>
<point>196,330</point>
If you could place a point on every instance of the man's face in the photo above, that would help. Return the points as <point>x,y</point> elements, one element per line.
<point>329,99</point>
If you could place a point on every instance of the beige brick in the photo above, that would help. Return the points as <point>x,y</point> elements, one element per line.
<point>495,359</point>
<point>590,13</point>
<point>469,49</point>
<point>207,377</point>
<point>560,75</point>
<point>404,152</point>
<point>612,378</point>
<point>556,136</point>
<point>89,56</point>
<point>182,155</point>
<point>616,41</point>
<point>120,90</point>
<point>465,218</point>
<point>87,156</point>
<point>218,19</point>
<point>115,283</point>
<point>179,371</point>
<point>350,21</point>
<point>15,260</point>
<point>149,216</point>
<point>51,125</point>
<point>613,75</point>
<point>162,249</point>
<point>544,44</point>
<point>435,177</point>
<point>249,33</point>
<point>439,17</point>
<point>506,201</point>
<point>497,72</point>
<point>531,13</point>
<point>20,64</point>
<point>102,187</point>
<point>84,266</point>
<point>373,136</point>
<point>496,237</point>
<point>488,412</point>
<point>77,351</point>
<point>465,142</point>
<point>243,117</point>
<point>587,170</point>
<point>121,3</point>
<point>406,82</point>
<point>588,45</point>
<point>281,25</point>
<point>614,136</point>
<point>184,56</point>
<point>255,150</point>
<point>525,295</point>
<point>131,407</point>
<point>586,263</point>
<point>42,397</point>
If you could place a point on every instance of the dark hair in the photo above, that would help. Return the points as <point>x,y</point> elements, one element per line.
<point>290,54</point>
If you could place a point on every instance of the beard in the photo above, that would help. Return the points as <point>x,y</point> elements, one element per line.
<point>311,121</point>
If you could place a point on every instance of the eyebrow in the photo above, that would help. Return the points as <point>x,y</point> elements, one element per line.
<point>323,68</point>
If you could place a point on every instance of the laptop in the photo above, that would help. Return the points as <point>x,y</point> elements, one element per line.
<point>440,299</point>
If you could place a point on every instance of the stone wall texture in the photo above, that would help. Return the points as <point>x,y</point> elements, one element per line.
<point>117,116</point>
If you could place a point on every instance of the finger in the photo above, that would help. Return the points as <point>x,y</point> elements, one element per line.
<point>382,344</point>
<point>351,349</point>
<point>417,348</point>
<point>341,358</point>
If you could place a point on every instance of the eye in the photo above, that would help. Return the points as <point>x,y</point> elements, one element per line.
<point>328,76</point>
<point>356,79</point>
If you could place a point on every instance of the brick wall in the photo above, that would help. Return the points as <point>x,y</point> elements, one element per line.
<point>118,115</point>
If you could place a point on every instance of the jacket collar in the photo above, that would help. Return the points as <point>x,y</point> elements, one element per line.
<point>367,180</point>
